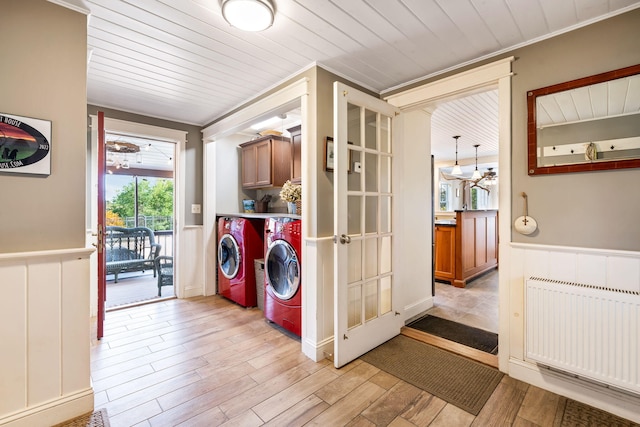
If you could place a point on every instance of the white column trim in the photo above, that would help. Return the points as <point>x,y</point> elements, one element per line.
<point>465,82</point>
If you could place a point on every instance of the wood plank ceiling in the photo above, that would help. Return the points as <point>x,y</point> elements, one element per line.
<point>179,59</point>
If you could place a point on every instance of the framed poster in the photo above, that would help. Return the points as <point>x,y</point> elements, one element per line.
<point>25,145</point>
<point>329,155</point>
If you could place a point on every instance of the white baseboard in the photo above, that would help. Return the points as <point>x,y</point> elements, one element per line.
<point>418,308</point>
<point>616,402</point>
<point>52,412</point>
<point>192,292</point>
<point>318,351</point>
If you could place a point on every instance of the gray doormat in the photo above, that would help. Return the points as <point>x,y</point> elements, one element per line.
<point>455,379</point>
<point>457,332</point>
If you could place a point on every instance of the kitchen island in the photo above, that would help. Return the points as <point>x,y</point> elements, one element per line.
<point>466,247</point>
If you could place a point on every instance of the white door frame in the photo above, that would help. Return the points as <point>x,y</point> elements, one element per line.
<point>177,137</point>
<point>497,74</point>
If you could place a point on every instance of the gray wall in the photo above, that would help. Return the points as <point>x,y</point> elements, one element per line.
<point>44,76</point>
<point>586,209</point>
<point>193,155</point>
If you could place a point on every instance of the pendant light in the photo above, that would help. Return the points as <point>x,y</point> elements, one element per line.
<point>457,170</point>
<point>476,173</point>
<point>248,15</point>
<point>492,177</point>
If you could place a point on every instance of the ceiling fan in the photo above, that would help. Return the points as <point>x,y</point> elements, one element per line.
<point>490,177</point>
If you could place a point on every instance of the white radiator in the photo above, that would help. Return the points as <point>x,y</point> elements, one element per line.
<point>588,331</point>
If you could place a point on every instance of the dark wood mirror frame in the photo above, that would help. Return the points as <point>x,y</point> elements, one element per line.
<point>532,96</point>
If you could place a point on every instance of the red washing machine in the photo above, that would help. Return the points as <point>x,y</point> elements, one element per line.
<point>239,244</point>
<point>282,273</point>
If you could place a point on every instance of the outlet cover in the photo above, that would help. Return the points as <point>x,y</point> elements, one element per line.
<point>195,209</point>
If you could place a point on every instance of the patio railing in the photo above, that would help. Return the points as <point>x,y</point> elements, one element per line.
<point>152,222</point>
<point>165,238</point>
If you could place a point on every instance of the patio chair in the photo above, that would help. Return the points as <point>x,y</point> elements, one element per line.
<point>164,268</point>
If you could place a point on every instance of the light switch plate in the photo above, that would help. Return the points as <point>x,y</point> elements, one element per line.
<point>195,209</point>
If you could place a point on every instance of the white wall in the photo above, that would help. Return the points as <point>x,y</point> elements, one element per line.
<point>190,267</point>
<point>413,214</point>
<point>228,189</point>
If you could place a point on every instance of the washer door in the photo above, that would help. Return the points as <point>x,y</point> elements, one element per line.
<point>228,256</point>
<point>282,269</point>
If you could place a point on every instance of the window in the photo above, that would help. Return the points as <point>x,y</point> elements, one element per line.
<point>479,198</point>
<point>445,197</point>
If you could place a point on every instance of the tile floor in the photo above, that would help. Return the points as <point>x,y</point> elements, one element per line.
<point>476,305</point>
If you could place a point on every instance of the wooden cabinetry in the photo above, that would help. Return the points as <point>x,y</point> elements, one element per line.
<point>467,249</point>
<point>445,245</point>
<point>296,154</point>
<point>266,162</point>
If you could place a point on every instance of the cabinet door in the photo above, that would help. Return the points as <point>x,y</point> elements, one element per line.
<point>263,164</point>
<point>296,154</point>
<point>249,166</point>
<point>445,252</point>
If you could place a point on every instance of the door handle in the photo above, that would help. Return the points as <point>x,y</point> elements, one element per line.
<point>344,239</point>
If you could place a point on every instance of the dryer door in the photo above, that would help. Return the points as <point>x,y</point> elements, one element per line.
<point>282,269</point>
<point>228,256</point>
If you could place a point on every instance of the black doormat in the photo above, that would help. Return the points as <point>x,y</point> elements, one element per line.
<point>457,332</point>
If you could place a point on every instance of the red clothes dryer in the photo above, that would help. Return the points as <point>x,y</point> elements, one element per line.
<point>239,244</point>
<point>282,273</point>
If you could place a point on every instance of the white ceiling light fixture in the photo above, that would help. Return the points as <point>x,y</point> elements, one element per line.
<point>266,123</point>
<point>457,170</point>
<point>476,173</point>
<point>248,15</point>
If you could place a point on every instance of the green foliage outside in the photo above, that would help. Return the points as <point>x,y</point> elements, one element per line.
<point>153,200</point>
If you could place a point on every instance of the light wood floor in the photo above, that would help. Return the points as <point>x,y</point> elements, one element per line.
<point>206,362</point>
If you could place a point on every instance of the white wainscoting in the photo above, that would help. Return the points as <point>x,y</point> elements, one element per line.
<point>595,267</point>
<point>44,330</point>
<point>190,262</point>
<point>317,294</point>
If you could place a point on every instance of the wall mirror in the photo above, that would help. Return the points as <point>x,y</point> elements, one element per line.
<point>587,124</point>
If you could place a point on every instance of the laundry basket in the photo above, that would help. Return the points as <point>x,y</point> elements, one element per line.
<point>259,269</point>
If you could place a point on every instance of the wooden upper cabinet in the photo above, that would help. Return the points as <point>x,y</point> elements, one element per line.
<point>249,169</point>
<point>266,162</point>
<point>296,154</point>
